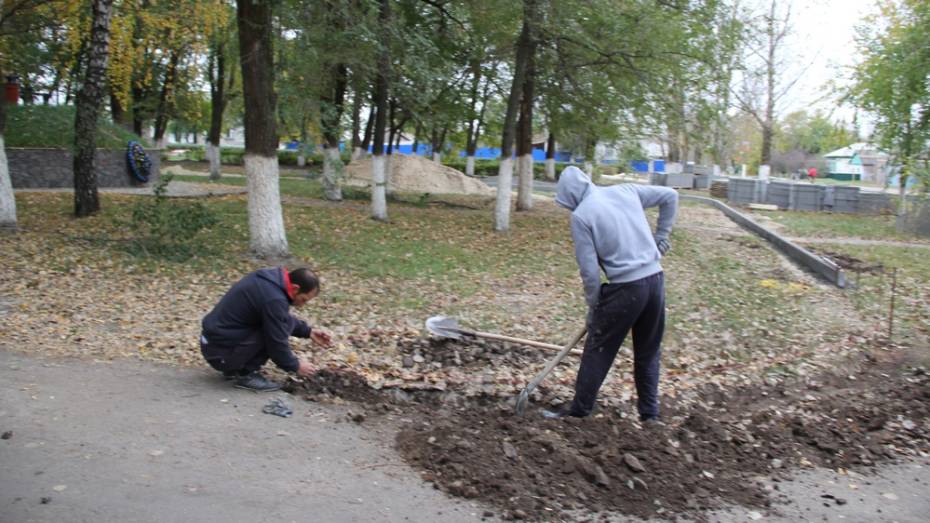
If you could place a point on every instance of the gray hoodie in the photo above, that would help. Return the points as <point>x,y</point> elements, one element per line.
<point>610,229</point>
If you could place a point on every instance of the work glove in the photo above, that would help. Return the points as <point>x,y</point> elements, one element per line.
<point>663,245</point>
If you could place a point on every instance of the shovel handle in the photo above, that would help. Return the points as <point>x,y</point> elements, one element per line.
<point>555,361</point>
<point>531,343</point>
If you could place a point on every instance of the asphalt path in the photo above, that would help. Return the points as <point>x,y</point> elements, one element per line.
<point>135,441</point>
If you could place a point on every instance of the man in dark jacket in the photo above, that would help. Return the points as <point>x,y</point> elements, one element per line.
<point>612,236</point>
<point>251,324</point>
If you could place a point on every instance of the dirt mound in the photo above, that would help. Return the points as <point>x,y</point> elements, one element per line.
<point>413,174</point>
<point>721,450</point>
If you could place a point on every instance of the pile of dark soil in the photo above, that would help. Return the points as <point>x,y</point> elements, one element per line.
<point>851,263</point>
<point>708,453</point>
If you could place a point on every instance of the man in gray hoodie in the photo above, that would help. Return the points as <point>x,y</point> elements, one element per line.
<point>613,236</point>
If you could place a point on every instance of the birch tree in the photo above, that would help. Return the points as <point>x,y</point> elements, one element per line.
<point>86,198</point>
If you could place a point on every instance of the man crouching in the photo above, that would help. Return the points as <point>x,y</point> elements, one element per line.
<point>252,323</point>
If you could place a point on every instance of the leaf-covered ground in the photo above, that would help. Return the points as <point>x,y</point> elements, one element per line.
<point>737,311</point>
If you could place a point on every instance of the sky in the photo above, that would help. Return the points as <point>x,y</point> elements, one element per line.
<point>823,41</point>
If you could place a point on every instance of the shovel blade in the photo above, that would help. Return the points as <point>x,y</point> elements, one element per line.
<point>522,400</point>
<point>444,326</point>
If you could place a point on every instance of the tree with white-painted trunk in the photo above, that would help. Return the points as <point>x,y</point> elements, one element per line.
<point>476,120</point>
<point>550,157</point>
<point>525,133</point>
<point>266,221</point>
<point>378,163</point>
<point>505,171</point>
<point>86,198</point>
<point>332,98</point>
<point>7,198</point>
<point>221,80</point>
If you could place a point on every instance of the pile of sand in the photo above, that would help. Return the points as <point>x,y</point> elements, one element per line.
<point>414,174</point>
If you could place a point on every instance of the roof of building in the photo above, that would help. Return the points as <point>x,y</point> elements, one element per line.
<point>859,148</point>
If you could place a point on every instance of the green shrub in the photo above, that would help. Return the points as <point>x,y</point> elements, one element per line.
<point>168,228</point>
<point>52,126</point>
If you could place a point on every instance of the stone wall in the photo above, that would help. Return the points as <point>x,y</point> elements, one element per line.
<point>52,168</point>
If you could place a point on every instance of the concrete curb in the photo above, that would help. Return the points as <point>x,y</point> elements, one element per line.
<point>830,271</point>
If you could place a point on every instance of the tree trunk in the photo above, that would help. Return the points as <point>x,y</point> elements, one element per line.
<point>217,74</point>
<point>434,144</point>
<point>471,139</point>
<point>357,151</point>
<point>378,177</point>
<point>332,104</point>
<point>416,138</point>
<point>525,133</point>
<point>369,129</point>
<point>166,98</point>
<point>7,198</point>
<point>550,157</point>
<point>266,222</point>
<point>118,112</point>
<point>505,172</point>
<point>86,199</point>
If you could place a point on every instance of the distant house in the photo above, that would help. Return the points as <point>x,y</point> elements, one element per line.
<point>858,161</point>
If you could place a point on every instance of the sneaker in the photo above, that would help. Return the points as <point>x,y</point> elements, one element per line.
<point>559,414</point>
<point>652,423</point>
<point>256,382</point>
<point>230,375</point>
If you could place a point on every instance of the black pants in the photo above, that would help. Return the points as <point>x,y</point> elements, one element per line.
<point>639,305</point>
<point>246,357</point>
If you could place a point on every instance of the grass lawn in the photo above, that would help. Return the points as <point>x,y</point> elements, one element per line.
<point>836,225</point>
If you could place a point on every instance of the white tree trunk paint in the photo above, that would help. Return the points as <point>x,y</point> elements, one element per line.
<point>437,157</point>
<point>160,143</point>
<point>213,156</point>
<point>589,169</point>
<point>388,172</point>
<point>550,168</point>
<point>266,221</point>
<point>470,165</point>
<point>378,188</point>
<point>357,153</point>
<point>525,182</point>
<point>301,159</point>
<point>333,173</point>
<point>7,199</point>
<point>502,207</point>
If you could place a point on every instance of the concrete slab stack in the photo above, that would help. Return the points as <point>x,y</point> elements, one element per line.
<point>779,194</point>
<point>874,203</point>
<point>741,190</point>
<point>845,199</point>
<point>808,197</point>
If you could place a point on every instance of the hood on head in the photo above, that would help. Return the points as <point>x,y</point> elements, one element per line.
<point>573,186</point>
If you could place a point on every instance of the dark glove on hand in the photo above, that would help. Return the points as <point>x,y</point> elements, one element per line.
<point>663,246</point>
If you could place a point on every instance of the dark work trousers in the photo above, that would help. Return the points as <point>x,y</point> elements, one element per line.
<point>246,357</point>
<point>639,305</point>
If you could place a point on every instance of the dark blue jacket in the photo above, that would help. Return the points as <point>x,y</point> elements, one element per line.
<point>257,302</point>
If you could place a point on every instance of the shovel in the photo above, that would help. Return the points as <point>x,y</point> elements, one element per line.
<point>524,397</point>
<point>447,327</point>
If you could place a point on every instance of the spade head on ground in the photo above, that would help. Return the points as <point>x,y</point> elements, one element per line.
<point>444,326</point>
